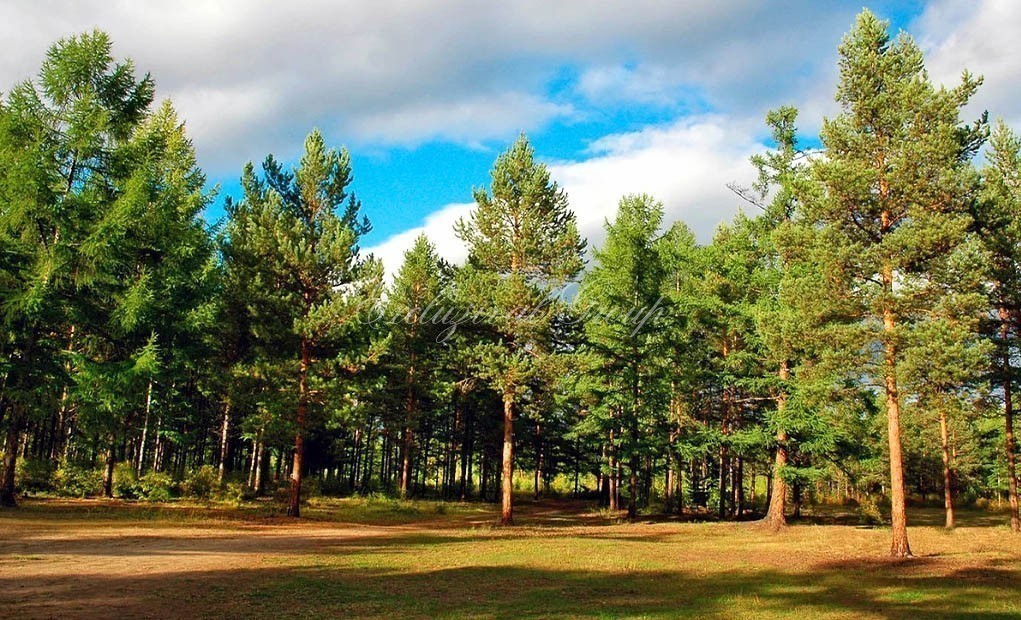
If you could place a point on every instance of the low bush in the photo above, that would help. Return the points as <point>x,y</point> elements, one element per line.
<point>125,482</point>
<point>869,512</point>
<point>156,486</point>
<point>201,483</point>
<point>77,481</point>
<point>234,492</point>
<point>34,475</point>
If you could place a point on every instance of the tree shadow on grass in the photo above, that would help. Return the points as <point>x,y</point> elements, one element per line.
<point>870,589</point>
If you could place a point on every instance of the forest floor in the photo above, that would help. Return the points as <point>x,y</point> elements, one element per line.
<point>387,559</point>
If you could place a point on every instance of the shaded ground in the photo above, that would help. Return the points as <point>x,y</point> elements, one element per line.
<point>388,559</point>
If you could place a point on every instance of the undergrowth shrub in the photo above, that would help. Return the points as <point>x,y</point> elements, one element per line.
<point>234,492</point>
<point>34,475</point>
<point>156,486</point>
<point>125,481</point>
<point>77,481</point>
<point>201,483</point>
<point>868,511</point>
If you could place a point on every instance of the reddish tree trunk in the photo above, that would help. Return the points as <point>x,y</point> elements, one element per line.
<point>294,508</point>
<point>948,493</point>
<point>899,546</point>
<point>507,499</point>
<point>407,443</point>
<point>775,517</point>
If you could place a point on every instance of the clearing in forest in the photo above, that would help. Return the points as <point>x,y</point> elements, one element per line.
<point>388,559</point>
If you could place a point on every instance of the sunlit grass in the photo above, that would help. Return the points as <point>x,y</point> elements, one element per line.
<point>381,558</point>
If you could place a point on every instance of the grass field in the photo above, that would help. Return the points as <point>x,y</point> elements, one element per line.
<point>387,559</point>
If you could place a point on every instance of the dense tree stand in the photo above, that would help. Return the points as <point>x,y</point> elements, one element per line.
<point>149,353</point>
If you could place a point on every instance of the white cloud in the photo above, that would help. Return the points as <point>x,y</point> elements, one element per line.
<point>618,84</point>
<point>438,227</point>
<point>253,77</point>
<point>465,121</point>
<point>687,165</point>
<point>983,38</point>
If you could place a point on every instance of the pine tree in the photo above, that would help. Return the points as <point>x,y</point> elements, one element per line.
<point>892,205</point>
<point>999,223</point>
<point>312,287</point>
<point>622,293</point>
<point>523,243</point>
<point>414,302</point>
<point>780,328</point>
<point>64,181</point>
<point>686,352</point>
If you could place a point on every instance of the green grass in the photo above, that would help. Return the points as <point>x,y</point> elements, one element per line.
<point>379,558</point>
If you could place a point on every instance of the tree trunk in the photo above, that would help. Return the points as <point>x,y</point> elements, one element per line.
<point>602,480</point>
<point>111,457</point>
<point>140,461</point>
<point>948,493</point>
<point>738,485</point>
<point>408,439</point>
<point>1008,417</point>
<point>407,443</point>
<point>612,474</point>
<point>775,518</point>
<point>260,457</point>
<point>796,492</point>
<point>679,487</point>
<point>224,441</point>
<point>467,445</point>
<point>722,479</point>
<point>899,545</point>
<point>671,476</point>
<point>294,508</point>
<point>8,497</point>
<point>632,500</point>
<point>536,492</point>
<point>507,508</point>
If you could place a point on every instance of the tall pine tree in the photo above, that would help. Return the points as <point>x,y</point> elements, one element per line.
<point>624,292</point>
<point>523,244</point>
<point>999,223</point>
<point>311,285</point>
<point>892,205</point>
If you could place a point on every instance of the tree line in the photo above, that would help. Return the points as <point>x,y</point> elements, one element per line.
<point>851,335</point>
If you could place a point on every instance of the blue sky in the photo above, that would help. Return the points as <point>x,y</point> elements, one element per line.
<point>654,96</point>
<point>399,185</point>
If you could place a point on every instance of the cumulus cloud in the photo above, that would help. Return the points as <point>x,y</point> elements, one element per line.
<point>465,121</point>
<point>438,227</point>
<point>686,165</point>
<point>251,78</point>
<point>983,38</point>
